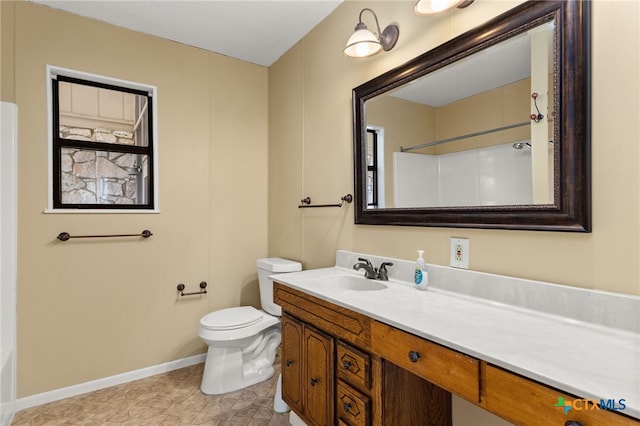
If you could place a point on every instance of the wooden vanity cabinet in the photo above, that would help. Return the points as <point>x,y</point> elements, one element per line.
<point>320,364</point>
<point>307,371</point>
<point>340,367</point>
<point>330,375</point>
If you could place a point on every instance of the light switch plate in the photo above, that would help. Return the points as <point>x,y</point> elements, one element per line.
<point>460,253</point>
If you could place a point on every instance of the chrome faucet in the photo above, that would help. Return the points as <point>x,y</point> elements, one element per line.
<point>369,270</point>
<point>372,272</point>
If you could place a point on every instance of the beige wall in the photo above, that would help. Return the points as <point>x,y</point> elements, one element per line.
<point>7,91</point>
<point>89,309</point>
<point>605,259</point>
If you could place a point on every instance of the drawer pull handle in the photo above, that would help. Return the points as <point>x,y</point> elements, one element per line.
<point>313,381</point>
<point>346,406</point>
<point>414,356</point>
<point>572,423</point>
<point>346,364</point>
<point>288,363</point>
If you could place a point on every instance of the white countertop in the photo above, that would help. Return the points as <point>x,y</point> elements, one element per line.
<point>589,360</point>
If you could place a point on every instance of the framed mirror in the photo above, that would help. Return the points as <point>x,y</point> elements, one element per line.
<point>489,130</point>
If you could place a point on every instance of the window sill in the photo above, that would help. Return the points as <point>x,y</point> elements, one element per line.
<point>99,211</point>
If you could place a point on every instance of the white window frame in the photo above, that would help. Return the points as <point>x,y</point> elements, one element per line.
<point>53,72</point>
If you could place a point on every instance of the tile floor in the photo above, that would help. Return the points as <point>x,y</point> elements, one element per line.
<point>172,398</point>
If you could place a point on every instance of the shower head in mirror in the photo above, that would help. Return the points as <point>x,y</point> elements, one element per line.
<point>520,145</point>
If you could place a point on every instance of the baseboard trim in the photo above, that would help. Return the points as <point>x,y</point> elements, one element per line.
<point>69,391</point>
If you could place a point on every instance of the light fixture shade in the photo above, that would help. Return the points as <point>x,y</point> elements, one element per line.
<point>429,7</point>
<point>362,43</point>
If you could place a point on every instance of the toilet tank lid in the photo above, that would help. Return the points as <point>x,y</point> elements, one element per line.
<point>276,264</point>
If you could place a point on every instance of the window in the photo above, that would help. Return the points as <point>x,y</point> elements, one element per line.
<point>102,143</point>
<point>372,168</point>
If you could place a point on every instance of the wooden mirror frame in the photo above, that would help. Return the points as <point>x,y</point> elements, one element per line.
<point>571,209</point>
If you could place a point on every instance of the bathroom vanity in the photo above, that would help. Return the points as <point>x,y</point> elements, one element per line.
<point>358,356</point>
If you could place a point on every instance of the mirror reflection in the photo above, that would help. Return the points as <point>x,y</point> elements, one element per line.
<point>477,132</point>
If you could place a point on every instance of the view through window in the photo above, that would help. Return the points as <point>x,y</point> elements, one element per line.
<point>102,145</point>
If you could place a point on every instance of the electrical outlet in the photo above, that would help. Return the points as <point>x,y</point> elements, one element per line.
<point>460,253</point>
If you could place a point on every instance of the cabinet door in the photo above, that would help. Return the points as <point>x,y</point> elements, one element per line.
<point>318,396</point>
<point>292,362</point>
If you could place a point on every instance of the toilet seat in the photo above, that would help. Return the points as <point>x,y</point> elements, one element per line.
<point>232,318</point>
<point>244,327</point>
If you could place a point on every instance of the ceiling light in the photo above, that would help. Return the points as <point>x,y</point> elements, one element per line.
<point>429,7</point>
<point>363,42</point>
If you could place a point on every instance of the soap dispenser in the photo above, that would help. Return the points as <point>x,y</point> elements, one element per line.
<point>421,275</point>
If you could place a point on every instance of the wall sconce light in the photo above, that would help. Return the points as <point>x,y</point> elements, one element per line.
<point>429,7</point>
<point>363,42</point>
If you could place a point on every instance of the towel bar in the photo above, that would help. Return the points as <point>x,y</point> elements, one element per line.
<point>306,202</point>
<point>65,236</point>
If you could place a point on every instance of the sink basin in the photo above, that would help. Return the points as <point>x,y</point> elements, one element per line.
<point>345,282</point>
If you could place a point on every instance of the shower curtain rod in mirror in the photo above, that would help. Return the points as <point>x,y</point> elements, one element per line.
<point>470,135</point>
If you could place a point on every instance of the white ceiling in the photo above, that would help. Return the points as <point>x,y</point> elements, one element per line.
<point>253,31</point>
<point>260,31</point>
<point>496,66</point>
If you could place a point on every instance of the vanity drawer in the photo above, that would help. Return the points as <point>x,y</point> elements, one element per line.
<point>333,319</point>
<point>449,369</point>
<point>352,407</point>
<point>353,366</point>
<point>523,401</point>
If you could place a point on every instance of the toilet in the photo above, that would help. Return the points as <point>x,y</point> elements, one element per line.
<point>243,340</point>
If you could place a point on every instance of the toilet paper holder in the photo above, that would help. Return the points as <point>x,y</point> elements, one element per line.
<point>203,289</point>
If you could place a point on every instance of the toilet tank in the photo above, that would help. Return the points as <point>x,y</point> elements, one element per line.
<point>272,266</point>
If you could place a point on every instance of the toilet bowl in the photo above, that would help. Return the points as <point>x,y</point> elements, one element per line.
<point>243,340</point>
